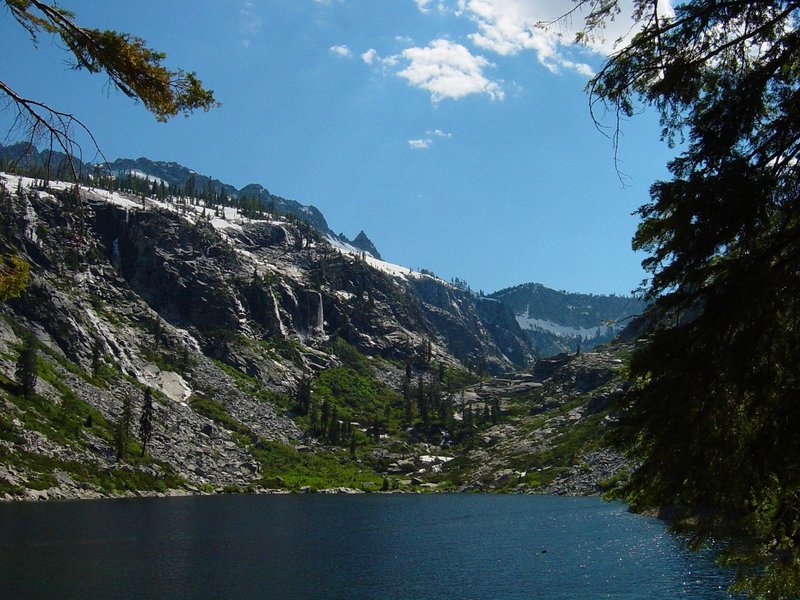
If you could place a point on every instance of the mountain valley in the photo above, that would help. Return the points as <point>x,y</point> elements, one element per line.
<point>276,356</point>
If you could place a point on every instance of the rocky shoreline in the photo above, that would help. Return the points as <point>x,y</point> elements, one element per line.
<point>581,481</point>
<point>71,494</point>
<point>59,494</point>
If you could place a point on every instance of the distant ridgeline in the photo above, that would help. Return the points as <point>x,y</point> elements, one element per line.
<point>559,321</point>
<point>553,321</point>
<point>159,178</point>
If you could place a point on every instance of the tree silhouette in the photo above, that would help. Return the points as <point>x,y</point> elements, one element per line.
<point>26,372</point>
<point>122,429</point>
<point>146,420</point>
<point>713,418</point>
<point>132,67</point>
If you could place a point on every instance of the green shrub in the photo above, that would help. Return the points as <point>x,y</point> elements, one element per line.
<point>217,412</point>
<point>318,471</point>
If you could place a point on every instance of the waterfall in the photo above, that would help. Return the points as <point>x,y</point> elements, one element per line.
<point>116,259</point>
<point>281,326</point>
<point>320,324</point>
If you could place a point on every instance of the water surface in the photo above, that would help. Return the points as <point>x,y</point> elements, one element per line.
<point>369,546</point>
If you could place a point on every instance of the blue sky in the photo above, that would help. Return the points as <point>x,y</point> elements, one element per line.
<point>455,133</point>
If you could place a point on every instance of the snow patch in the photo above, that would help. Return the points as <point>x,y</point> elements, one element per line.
<point>140,175</point>
<point>532,324</point>
<point>219,224</point>
<point>380,265</point>
<point>11,182</point>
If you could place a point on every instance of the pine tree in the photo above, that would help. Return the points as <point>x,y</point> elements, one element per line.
<point>303,395</point>
<point>313,419</point>
<point>26,371</point>
<point>334,427</point>
<point>325,418</point>
<point>468,425</point>
<point>146,420</point>
<point>495,411</point>
<point>422,402</point>
<point>445,410</point>
<point>122,430</point>
<point>408,399</point>
<point>713,419</point>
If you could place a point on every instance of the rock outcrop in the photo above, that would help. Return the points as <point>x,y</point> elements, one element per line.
<point>550,437</point>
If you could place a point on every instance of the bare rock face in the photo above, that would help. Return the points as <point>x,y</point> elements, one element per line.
<point>221,317</point>
<point>475,328</point>
<point>265,279</point>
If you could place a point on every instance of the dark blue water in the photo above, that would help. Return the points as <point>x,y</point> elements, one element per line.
<point>432,546</point>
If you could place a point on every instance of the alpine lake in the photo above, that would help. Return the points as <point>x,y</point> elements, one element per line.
<point>347,546</point>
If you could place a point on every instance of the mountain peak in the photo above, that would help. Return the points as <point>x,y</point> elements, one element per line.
<point>362,242</point>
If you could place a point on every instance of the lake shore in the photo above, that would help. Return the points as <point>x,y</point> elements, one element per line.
<point>581,481</point>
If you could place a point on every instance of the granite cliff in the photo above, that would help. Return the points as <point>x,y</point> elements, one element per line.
<point>231,323</point>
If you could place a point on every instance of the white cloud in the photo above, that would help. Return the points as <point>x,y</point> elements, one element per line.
<point>512,26</point>
<point>423,5</point>
<point>370,56</point>
<point>426,142</point>
<point>581,68</point>
<point>447,70</point>
<point>421,144</point>
<point>249,23</point>
<point>341,50</point>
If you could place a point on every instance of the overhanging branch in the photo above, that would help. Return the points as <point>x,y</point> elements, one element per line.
<point>39,120</point>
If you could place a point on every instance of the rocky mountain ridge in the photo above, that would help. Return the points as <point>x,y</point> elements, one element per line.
<point>559,321</point>
<point>174,175</point>
<point>553,321</point>
<point>269,347</point>
<point>225,319</point>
